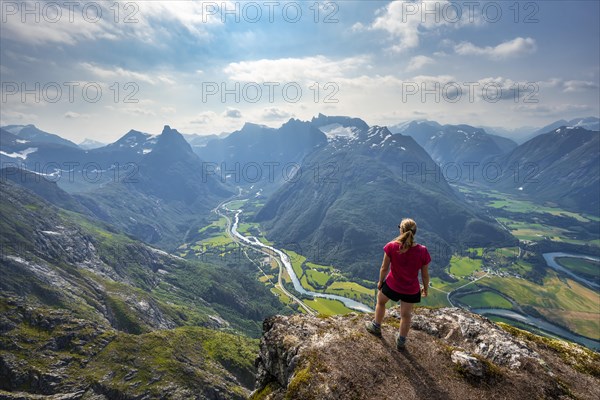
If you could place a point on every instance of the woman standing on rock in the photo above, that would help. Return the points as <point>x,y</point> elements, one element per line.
<point>401,283</point>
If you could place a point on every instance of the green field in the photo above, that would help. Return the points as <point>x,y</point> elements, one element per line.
<point>317,278</point>
<point>214,241</point>
<point>434,298</point>
<point>282,296</point>
<point>464,266</point>
<point>220,224</point>
<point>265,241</point>
<point>306,285</point>
<point>243,228</point>
<point>524,206</point>
<point>285,277</point>
<point>319,266</point>
<point>478,250</point>
<point>446,286</point>
<point>297,260</point>
<point>566,302</point>
<point>534,231</point>
<point>345,287</point>
<point>327,306</point>
<point>580,265</point>
<point>236,205</point>
<point>485,299</point>
<point>352,290</point>
<point>267,278</point>
<point>521,267</point>
<point>506,252</point>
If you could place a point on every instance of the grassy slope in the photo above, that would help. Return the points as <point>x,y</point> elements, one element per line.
<point>553,298</point>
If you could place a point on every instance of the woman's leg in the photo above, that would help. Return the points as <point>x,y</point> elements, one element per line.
<point>406,314</point>
<point>382,299</point>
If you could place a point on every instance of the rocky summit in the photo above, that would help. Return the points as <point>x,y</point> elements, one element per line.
<point>450,354</point>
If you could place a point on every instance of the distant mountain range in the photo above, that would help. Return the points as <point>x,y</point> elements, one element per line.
<point>258,156</point>
<point>313,175</point>
<point>151,186</point>
<point>456,144</point>
<point>367,179</point>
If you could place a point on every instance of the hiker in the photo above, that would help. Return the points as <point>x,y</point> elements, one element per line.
<point>406,258</point>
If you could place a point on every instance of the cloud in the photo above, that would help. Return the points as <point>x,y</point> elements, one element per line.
<point>204,118</point>
<point>557,110</point>
<point>4,70</point>
<point>406,21</point>
<point>8,117</point>
<point>512,48</point>
<point>274,114</point>
<point>418,62</point>
<point>121,73</point>
<point>67,22</point>
<point>232,113</point>
<point>358,27</point>
<point>284,70</point>
<point>135,111</point>
<point>56,23</point>
<point>579,86</point>
<point>75,115</point>
<point>168,110</point>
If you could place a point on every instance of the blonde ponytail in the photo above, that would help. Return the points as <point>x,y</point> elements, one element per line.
<point>408,230</point>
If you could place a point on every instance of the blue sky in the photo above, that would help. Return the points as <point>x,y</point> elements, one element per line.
<point>385,62</point>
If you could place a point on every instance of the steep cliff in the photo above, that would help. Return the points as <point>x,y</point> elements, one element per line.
<point>451,354</point>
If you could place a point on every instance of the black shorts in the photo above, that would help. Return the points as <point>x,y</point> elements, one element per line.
<point>395,296</point>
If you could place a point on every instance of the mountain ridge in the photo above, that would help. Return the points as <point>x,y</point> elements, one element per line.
<point>560,166</point>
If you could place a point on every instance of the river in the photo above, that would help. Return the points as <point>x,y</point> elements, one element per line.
<point>540,324</point>
<point>551,261</point>
<point>254,242</point>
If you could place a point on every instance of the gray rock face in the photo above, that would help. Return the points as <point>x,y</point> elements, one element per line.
<point>469,363</point>
<point>475,334</point>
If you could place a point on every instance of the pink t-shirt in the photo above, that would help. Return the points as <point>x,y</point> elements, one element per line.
<point>404,267</point>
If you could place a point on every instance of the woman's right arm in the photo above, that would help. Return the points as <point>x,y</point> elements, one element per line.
<point>385,266</point>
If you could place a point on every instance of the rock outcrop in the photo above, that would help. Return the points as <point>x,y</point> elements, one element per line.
<point>450,354</point>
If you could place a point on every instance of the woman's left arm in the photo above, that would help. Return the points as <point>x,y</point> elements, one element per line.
<point>385,266</point>
<point>425,278</point>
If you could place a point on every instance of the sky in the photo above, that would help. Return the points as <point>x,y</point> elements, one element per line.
<point>96,69</point>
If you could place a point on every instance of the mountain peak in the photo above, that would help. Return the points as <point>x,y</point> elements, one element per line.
<point>450,354</point>
<point>172,143</point>
<point>252,127</point>
<point>32,133</point>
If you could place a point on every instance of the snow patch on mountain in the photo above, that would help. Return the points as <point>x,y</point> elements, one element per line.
<point>22,154</point>
<point>335,131</point>
<point>15,130</point>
